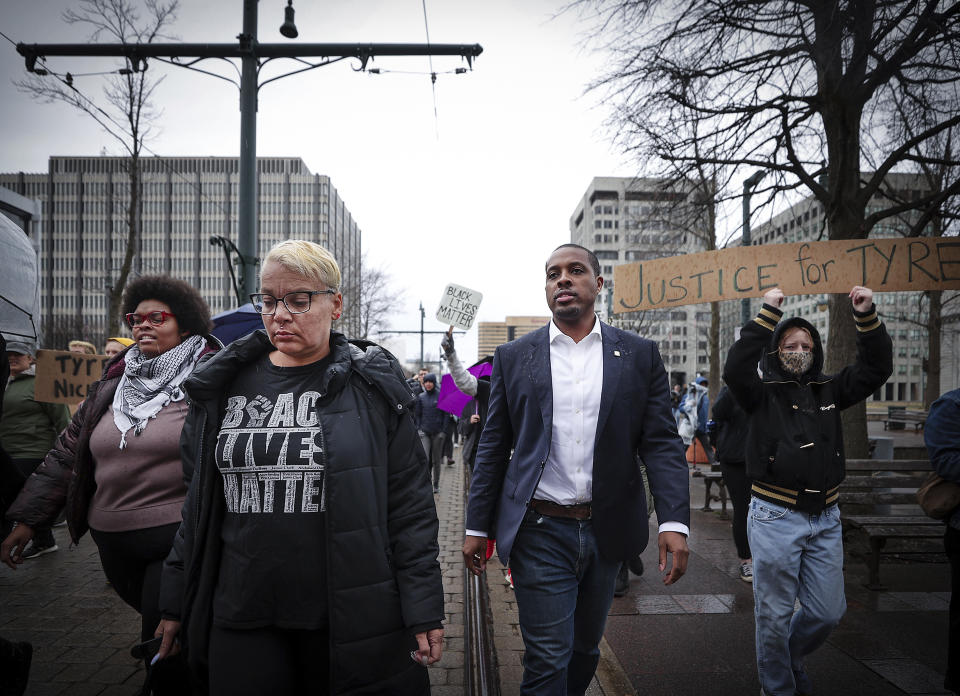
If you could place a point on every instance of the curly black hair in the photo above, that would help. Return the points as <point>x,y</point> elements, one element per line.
<point>191,310</point>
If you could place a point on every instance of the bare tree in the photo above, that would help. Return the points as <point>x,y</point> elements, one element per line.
<point>129,115</point>
<point>375,298</point>
<point>790,87</point>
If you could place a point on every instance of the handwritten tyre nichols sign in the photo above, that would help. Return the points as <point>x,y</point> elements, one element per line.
<point>802,268</point>
<point>64,377</point>
<point>458,306</point>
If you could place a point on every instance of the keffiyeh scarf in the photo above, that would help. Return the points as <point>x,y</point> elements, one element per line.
<point>149,384</point>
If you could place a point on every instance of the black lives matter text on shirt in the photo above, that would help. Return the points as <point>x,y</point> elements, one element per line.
<point>271,452</point>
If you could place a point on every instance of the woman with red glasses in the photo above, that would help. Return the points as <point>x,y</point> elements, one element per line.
<point>117,466</point>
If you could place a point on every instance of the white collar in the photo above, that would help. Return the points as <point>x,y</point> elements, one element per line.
<point>556,333</point>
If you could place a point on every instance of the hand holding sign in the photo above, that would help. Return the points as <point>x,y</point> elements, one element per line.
<point>862,298</point>
<point>773,297</point>
<point>458,306</point>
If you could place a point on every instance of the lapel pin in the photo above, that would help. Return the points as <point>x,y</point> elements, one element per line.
<point>617,353</point>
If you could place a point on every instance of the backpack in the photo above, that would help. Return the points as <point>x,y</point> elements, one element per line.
<point>938,497</point>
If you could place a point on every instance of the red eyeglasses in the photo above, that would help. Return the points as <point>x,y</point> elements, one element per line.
<point>155,318</point>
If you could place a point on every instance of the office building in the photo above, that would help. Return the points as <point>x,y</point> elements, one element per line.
<point>625,219</point>
<point>491,334</point>
<point>186,202</point>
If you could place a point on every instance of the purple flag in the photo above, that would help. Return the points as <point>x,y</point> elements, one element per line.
<point>451,399</point>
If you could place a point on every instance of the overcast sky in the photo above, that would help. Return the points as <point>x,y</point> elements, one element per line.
<point>477,196</point>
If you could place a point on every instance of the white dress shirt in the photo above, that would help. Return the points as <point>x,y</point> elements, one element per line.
<point>576,371</point>
<point>577,380</point>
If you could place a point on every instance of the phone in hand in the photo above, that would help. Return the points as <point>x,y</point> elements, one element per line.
<point>146,650</point>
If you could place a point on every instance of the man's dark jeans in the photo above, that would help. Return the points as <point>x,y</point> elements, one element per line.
<point>564,589</point>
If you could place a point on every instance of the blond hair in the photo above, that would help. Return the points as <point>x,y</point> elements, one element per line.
<point>306,259</point>
<point>85,346</point>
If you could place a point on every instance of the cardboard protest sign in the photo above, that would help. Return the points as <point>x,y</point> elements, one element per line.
<point>458,306</point>
<point>801,268</point>
<point>64,377</point>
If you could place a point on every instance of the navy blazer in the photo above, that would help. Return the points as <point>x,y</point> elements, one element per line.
<point>635,424</point>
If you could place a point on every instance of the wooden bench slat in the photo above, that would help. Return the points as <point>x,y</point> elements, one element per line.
<point>861,520</point>
<point>916,531</point>
<point>888,465</point>
<point>898,481</point>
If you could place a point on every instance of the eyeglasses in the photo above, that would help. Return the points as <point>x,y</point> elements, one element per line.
<point>155,318</point>
<point>295,302</point>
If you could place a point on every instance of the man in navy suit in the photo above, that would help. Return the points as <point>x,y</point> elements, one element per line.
<point>574,408</point>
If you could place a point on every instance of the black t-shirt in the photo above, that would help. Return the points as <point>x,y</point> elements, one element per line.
<point>272,455</point>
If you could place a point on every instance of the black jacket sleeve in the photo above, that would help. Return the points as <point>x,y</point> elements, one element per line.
<point>874,363</point>
<point>172,577</point>
<point>740,369</point>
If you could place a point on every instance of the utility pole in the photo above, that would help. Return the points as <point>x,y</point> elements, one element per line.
<point>252,55</point>
<point>422,333</point>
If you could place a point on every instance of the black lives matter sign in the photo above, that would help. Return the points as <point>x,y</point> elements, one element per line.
<point>458,306</point>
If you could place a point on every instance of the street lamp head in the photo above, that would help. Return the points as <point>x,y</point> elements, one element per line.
<point>754,179</point>
<point>288,28</point>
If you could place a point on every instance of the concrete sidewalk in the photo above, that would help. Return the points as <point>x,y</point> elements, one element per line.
<point>697,636</point>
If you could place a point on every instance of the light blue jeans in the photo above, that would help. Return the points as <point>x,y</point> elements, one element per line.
<point>796,556</point>
<point>564,589</point>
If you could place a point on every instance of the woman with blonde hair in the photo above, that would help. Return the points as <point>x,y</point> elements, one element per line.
<point>309,538</point>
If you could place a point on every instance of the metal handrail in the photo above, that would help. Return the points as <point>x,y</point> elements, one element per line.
<point>480,673</point>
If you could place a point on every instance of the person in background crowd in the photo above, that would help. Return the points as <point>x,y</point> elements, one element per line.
<point>15,657</point>
<point>731,435</point>
<point>116,344</point>
<point>574,407</point>
<point>307,557</point>
<point>431,422</point>
<point>415,383</point>
<point>117,466</point>
<point>28,430</point>
<point>84,347</point>
<point>795,461</point>
<point>942,436</point>
<point>449,436</point>
<point>475,412</point>
<point>696,406</point>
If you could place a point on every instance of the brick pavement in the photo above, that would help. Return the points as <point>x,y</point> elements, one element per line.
<point>80,630</point>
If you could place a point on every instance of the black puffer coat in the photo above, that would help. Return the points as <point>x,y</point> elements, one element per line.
<point>796,437</point>
<point>384,581</point>
<point>732,428</point>
<point>66,478</point>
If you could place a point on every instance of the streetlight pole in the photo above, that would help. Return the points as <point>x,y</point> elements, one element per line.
<point>247,200</point>
<point>422,317</point>
<point>745,239</point>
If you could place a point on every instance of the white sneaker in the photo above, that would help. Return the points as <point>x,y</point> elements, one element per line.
<point>746,571</point>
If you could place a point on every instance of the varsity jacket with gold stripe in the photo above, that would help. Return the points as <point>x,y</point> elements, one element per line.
<point>795,440</point>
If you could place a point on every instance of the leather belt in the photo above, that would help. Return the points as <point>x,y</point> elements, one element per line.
<point>548,508</point>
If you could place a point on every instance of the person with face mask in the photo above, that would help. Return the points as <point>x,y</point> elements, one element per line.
<point>795,458</point>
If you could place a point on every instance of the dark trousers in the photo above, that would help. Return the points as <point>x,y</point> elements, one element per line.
<point>268,661</point>
<point>738,488</point>
<point>951,543</point>
<point>132,562</point>
<point>42,536</point>
<point>433,447</point>
<point>705,442</point>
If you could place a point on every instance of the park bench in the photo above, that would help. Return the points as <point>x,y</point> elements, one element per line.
<point>711,478</point>
<point>915,418</point>
<point>878,504</point>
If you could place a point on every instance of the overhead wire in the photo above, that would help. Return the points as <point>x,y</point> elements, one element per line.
<point>433,74</point>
